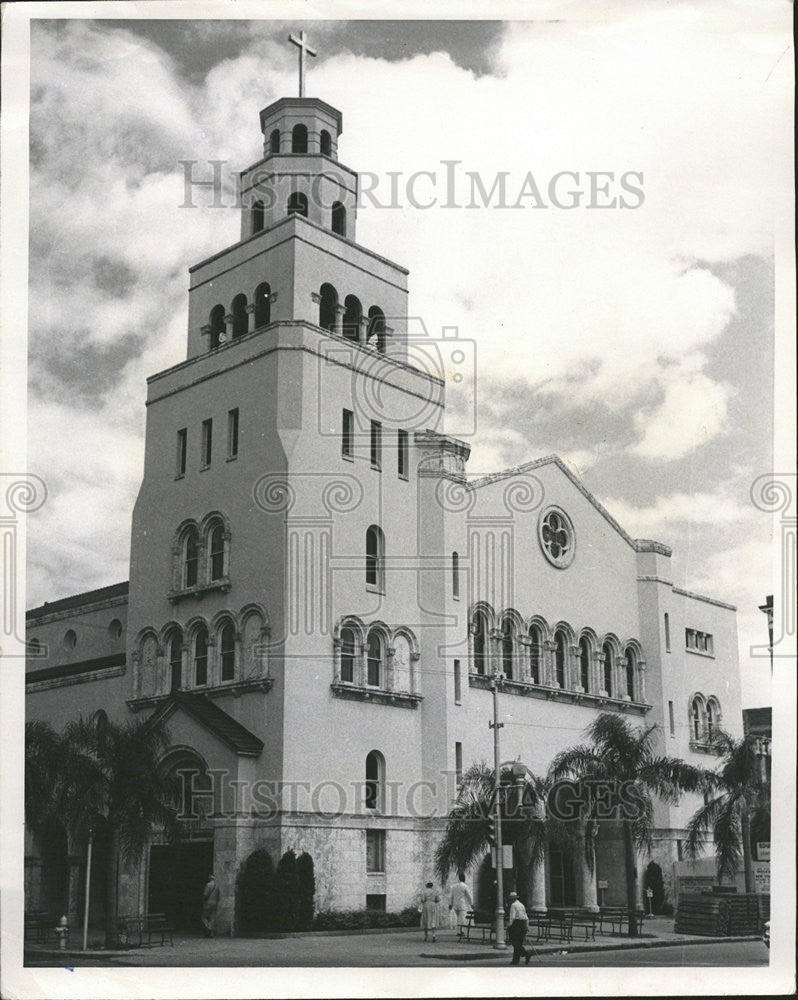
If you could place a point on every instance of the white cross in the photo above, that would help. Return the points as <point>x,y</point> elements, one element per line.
<point>303,48</point>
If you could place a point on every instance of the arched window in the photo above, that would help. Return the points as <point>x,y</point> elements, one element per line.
<point>115,629</point>
<point>299,139</point>
<point>34,647</point>
<point>240,318</point>
<point>338,220</point>
<point>375,558</point>
<point>608,658</point>
<point>713,718</point>
<point>352,313</point>
<point>263,305</point>
<point>480,636</point>
<point>257,217</point>
<point>325,143</point>
<point>375,780</point>
<point>375,658</point>
<point>190,557</point>
<point>697,718</point>
<point>348,655</point>
<point>629,670</point>
<point>584,664</point>
<point>274,141</point>
<point>70,638</point>
<point>455,575</point>
<point>535,653</point>
<point>328,306</point>
<point>201,656</point>
<point>216,323</point>
<point>216,549</point>
<point>508,648</point>
<point>227,651</point>
<point>376,331</point>
<point>560,656</point>
<point>298,204</point>
<point>175,652</point>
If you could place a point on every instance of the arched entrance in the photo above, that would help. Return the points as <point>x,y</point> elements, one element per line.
<point>485,886</point>
<point>179,870</point>
<point>562,876</point>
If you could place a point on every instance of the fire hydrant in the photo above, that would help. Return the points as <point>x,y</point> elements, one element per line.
<point>62,933</point>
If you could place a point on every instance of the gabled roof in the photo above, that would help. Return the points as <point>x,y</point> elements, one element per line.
<point>208,714</point>
<point>639,545</point>
<point>78,600</point>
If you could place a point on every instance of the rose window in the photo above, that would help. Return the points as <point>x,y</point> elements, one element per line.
<point>556,535</point>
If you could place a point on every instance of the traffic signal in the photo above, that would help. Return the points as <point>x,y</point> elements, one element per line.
<point>492,831</point>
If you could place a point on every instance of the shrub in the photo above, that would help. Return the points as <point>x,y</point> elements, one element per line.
<point>346,920</point>
<point>306,881</point>
<point>254,886</point>
<point>284,895</point>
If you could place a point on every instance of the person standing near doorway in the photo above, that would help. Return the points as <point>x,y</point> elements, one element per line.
<point>518,922</point>
<point>460,902</point>
<point>210,904</point>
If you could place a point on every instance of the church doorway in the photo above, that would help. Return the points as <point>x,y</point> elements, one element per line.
<point>178,873</point>
<point>562,884</point>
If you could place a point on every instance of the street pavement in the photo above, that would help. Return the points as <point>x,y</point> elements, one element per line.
<point>658,946</point>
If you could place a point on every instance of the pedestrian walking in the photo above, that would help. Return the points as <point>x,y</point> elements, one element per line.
<point>460,902</point>
<point>210,904</point>
<point>429,910</point>
<point>517,928</point>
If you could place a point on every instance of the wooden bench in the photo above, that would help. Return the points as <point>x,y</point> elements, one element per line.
<point>39,925</point>
<point>479,921</point>
<point>143,930</point>
<point>563,922</point>
<point>616,915</point>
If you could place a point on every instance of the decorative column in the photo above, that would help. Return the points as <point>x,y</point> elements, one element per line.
<point>548,670</point>
<point>572,678</point>
<point>415,673</point>
<point>337,659</point>
<point>250,309</point>
<point>641,680</point>
<point>363,330</point>
<point>228,326</point>
<point>537,900</point>
<point>390,652</point>
<point>339,321</point>
<point>207,331</point>
<point>587,838</point>
<point>602,659</point>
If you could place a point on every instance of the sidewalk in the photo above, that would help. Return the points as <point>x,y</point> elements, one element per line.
<point>348,948</point>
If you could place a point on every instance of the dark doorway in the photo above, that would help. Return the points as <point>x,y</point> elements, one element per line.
<point>178,873</point>
<point>561,879</point>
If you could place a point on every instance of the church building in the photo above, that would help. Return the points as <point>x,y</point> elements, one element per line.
<point>319,596</point>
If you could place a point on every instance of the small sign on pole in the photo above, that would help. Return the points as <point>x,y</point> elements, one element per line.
<point>763,850</point>
<point>507,855</point>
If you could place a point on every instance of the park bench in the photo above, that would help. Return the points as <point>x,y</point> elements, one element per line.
<point>143,930</point>
<point>479,921</point>
<point>563,922</point>
<point>616,915</point>
<point>39,925</point>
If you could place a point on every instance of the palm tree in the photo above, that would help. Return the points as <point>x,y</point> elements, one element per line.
<point>625,757</point>
<point>466,837</point>
<point>101,768</point>
<point>742,805</point>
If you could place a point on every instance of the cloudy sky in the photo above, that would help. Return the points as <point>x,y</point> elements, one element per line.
<point>636,343</point>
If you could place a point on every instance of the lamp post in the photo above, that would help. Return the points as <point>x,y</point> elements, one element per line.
<point>767,609</point>
<point>499,943</point>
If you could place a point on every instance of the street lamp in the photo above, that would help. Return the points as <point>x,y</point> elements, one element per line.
<point>767,609</point>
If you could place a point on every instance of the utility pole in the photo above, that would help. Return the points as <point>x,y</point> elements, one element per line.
<point>499,943</point>
<point>767,609</point>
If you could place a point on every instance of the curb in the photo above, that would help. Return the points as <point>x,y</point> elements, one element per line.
<point>461,956</point>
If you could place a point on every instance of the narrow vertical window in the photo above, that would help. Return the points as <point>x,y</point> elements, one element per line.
<point>608,670</point>
<point>176,662</point>
<point>667,633</point>
<point>348,434</point>
<point>455,576</point>
<point>191,558</point>
<point>401,454</point>
<point>201,657</point>
<point>458,763</point>
<point>458,694</point>
<point>559,659</point>
<point>375,558</point>
<point>671,719</point>
<point>374,656</point>
<point>508,648</point>
<point>376,444</point>
<point>584,665</point>
<point>630,674</point>
<point>375,850</point>
<point>217,552</point>
<point>227,649</point>
<point>207,442</point>
<point>479,643</point>
<point>232,433</point>
<point>535,653</point>
<point>182,450</point>
<point>347,656</point>
<point>375,780</point>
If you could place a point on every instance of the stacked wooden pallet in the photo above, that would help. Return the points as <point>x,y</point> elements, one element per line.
<point>720,915</point>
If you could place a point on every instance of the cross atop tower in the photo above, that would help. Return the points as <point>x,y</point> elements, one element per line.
<point>303,48</point>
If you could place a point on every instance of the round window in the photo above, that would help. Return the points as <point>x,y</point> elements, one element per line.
<point>556,535</point>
